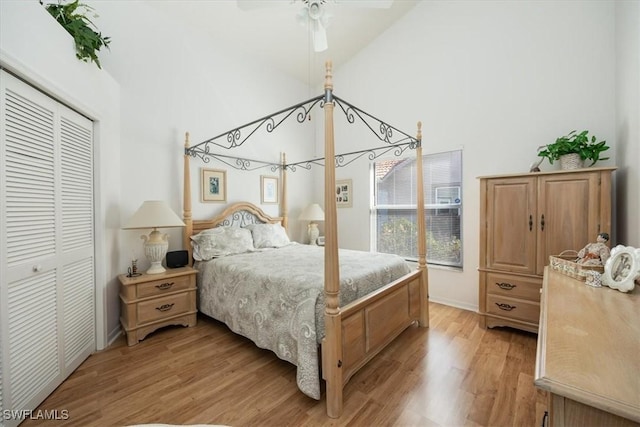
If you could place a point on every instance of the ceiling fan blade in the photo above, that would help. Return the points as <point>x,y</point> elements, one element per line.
<point>319,34</point>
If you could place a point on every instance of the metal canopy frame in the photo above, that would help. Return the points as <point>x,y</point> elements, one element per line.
<point>395,140</point>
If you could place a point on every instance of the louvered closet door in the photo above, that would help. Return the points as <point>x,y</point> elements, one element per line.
<point>47,293</point>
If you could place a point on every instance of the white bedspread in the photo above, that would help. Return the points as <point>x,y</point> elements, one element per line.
<point>275,297</point>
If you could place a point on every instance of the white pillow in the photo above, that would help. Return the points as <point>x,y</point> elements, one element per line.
<point>268,235</point>
<point>221,241</point>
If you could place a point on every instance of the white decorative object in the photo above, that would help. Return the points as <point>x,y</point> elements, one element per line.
<point>593,278</point>
<point>622,268</point>
<point>154,214</point>
<point>313,213</point>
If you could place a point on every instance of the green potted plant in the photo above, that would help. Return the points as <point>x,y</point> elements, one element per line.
<point>73,17</point>
<point>573,149</point>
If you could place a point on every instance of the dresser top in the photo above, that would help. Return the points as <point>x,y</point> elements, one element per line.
<point>589,344</point>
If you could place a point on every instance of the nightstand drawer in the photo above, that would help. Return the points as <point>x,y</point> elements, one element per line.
<point>163,286</point>
<point>164,307</point>
<point>514,286</point>
<point>513,308</point>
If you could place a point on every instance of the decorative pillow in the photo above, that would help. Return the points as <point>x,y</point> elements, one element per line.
<point>221,241</point>
<point>268,235</point>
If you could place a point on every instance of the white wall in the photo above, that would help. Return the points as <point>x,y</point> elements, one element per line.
<point>36,48</point>
<point>175,80</point>
<point>628,121</point>
<point>498,79</point>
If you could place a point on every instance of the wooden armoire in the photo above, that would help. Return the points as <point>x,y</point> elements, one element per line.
<point>525,218</point>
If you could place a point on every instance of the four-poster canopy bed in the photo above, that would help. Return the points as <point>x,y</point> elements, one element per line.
<point>351,330</point>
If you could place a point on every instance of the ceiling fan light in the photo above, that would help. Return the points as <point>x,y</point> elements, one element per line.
<point>315,9</point>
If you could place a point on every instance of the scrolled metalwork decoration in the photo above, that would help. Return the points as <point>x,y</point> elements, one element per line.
<point>386,131</point>
<point>233,137</point>
<point>397,141</point>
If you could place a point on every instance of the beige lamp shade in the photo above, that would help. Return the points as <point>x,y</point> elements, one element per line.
<point>312,213</point>
<point>154,214</point>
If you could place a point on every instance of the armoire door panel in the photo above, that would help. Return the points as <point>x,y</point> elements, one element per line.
<point>568,214</point>
<point>511,238</point>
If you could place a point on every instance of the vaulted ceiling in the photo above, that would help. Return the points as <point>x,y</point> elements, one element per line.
<point>270,31</point>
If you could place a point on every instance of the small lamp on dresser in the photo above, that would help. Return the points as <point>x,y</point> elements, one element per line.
<point>313,213</point>
<point>154,214</point>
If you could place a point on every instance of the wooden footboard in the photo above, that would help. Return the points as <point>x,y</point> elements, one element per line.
<point>372,322</point>
<point>368,325</point>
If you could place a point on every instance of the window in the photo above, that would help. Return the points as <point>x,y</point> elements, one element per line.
<point>394,207</point>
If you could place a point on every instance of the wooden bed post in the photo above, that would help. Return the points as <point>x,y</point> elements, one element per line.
<point>422,238</point>
<point>186,201</point>
<point>283,199</point>
<point>332,345</point>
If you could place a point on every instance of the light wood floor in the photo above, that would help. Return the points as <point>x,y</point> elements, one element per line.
<point>452,374</point>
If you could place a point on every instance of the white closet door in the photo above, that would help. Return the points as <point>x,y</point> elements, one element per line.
<point>76,204</point>
<point>47,275</point>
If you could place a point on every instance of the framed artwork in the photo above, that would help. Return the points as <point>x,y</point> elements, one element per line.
<point>268,189</point>
<point>344,193</point>
<point>622,268</point>
<point>214,185</point>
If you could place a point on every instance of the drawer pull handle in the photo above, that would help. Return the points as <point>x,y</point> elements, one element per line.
<point>165,286</point>
<point>505,307</point>
<point>165,307</point>
<point>506,286</point>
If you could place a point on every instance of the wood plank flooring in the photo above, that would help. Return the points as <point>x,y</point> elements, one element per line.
<point>452,374</point>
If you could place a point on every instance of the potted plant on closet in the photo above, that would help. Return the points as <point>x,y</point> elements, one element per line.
<point>573,149</point>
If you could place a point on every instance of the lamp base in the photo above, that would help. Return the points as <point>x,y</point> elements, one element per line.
<point>313,233</point>
<point>155,249</point>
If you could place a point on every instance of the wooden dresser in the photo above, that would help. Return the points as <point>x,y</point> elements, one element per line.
<point>588,355</point>
<point>151,301</point>
<point>525,218</point>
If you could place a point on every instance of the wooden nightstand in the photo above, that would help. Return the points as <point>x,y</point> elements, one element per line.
<point>151,301</point>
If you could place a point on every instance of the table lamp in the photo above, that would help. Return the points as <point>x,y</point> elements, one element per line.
<point>154,214</point>
<point>313,213</point>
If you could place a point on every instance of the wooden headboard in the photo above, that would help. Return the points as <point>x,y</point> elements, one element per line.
<point>236,215</point>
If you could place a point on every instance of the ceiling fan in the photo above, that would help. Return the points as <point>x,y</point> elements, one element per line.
<point>315,15</point>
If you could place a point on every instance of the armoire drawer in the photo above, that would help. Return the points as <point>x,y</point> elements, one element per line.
<point>514,286</point>
<point>513,308</point>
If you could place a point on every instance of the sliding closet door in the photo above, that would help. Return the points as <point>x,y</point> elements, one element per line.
<point>47,255</point>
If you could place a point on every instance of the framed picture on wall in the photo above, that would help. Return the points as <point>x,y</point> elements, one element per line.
<point>344,193</point>
<point>214,185</point>
<point>268,189</point>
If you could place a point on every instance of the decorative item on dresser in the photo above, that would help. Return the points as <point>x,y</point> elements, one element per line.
<point>587,354</point>
<point>151,301</point>
<point>524,219</point>
<point>313,213</point>
<point>622,268</point>
<point>154,214</point>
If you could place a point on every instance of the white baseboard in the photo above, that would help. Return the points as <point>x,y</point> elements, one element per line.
<point>114,335</point>
<point>453,303</point>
